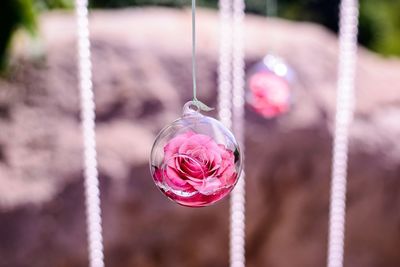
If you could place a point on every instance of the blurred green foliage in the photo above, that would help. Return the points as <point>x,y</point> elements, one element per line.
<point>13,15</point>
<point>53,4</point>
<point>379,20</point>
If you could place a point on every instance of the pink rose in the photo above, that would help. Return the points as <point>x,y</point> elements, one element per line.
<point>196,170</point>
<point>270,94</point>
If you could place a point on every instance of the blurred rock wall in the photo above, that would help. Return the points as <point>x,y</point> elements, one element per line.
<point>142,77</point>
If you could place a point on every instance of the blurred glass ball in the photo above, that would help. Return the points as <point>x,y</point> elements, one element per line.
<point>195,161</point>
<point>268,87</point>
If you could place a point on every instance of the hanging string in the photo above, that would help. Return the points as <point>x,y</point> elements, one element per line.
<point>237,235</point>
<point>92,191</point>
<point>271,8</point>
<point>344,114</point>
<point>200,105</point>
<point>194,70</point>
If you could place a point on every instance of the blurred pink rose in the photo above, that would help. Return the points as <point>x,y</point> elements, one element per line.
<point>270,94</point>
<point>196,170</point>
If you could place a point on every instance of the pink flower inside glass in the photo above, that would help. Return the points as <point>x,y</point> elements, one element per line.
<point>269,94</point>
<point>195,170</point>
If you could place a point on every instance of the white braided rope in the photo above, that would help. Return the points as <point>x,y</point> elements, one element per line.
<point>237,235</point>
<point>344,115</point>
<point>225,63</point>
<point>92,191</point>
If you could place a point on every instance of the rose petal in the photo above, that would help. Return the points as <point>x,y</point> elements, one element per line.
<point>172,179</point>
<point>197,162</point>
<point>172,147</point>
<point>208,187</point>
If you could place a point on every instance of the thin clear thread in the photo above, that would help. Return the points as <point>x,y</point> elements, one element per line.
<point>344,114</point>
<point>271,8</point>
<point>91,184</point>
<point>194,63</point>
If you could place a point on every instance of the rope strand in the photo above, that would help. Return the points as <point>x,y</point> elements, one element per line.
<point>344,114</point>
<point>225,63</point>
<point>92,190</point>
<point>238,212</point>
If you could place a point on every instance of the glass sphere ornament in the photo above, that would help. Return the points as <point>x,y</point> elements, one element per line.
<point>195,161</point>
<point>268,87</point>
